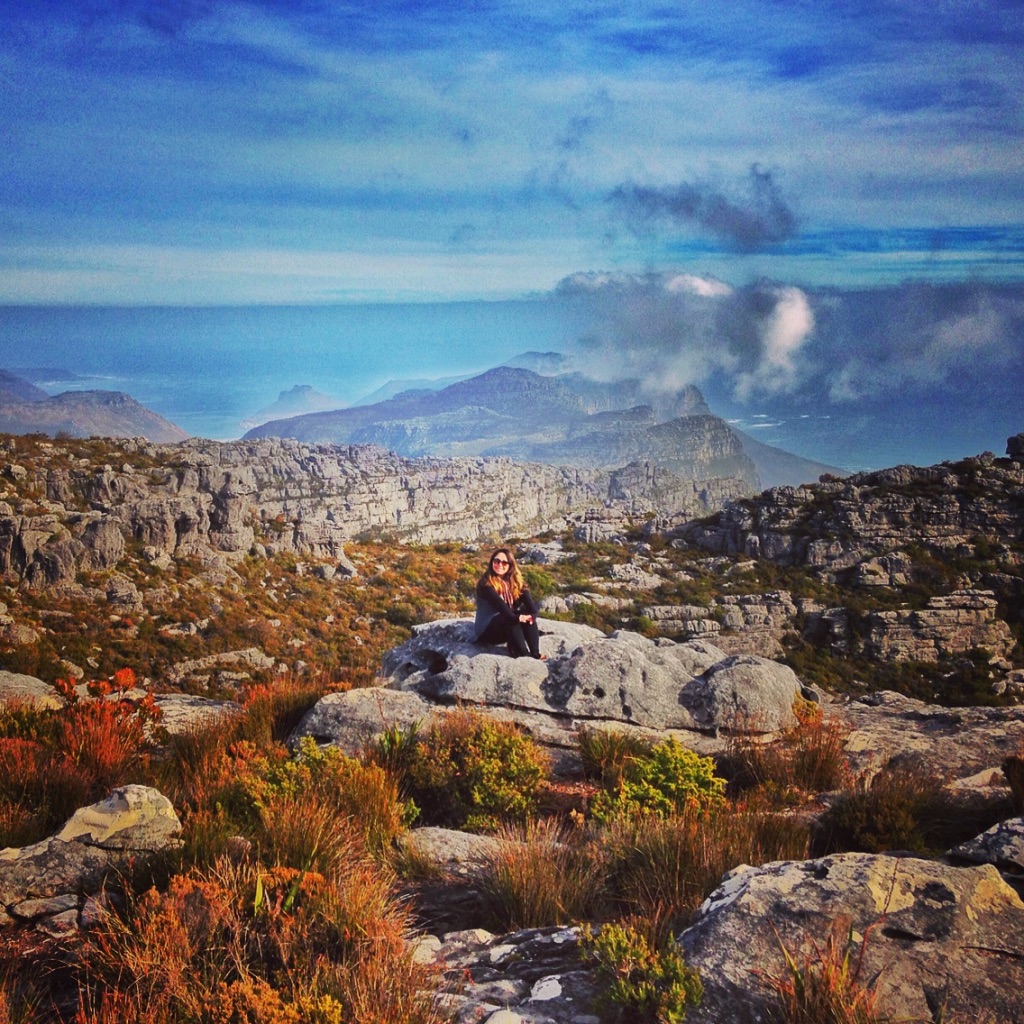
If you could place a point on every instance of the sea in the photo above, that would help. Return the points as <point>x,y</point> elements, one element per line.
<point>207,369</point>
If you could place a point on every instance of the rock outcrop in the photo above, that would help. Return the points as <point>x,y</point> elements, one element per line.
<point>49,882</point>
<point>836,524</point>
<point>964,745</point>
<point>694,689</point>
<point>951,624</point>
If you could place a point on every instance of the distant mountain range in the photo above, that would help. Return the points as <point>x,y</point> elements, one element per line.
<point>27,409</point>
<point>565,419</point>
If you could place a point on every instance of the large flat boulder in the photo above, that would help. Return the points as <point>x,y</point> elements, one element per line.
<point>966,744</point>
<point>624,678</point>
<point>935,939</point>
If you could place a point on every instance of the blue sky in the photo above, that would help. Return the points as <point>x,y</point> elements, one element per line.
<point>203,152</point>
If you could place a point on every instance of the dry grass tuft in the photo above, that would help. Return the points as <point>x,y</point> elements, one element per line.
<point>542,874</point>
<point>664,868</point>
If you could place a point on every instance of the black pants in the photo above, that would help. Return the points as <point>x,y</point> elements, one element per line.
<point>523,638</point>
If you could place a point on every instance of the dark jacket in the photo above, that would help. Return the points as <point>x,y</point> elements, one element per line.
<point>489,605</point>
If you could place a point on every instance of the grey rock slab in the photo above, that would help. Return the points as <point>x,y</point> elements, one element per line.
<point>930,935</point>
<point>446,646</point>
<point>16,688</point>
<point>950,743</point>
<point>1002,845</point>
<point>625,677</point>
<point>452,850</point>
<point>182,712</point>
<point>352,719</point>
<point>746,693</point>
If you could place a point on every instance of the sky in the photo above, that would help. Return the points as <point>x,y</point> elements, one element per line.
<point>200,152</point>
<point>814,211</point>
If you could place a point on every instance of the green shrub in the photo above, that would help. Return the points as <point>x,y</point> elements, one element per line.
<point>472,772</point>
<point>654,982</point>
<point>664,781</point>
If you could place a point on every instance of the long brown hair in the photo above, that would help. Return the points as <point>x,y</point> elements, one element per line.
<point>514,575</point>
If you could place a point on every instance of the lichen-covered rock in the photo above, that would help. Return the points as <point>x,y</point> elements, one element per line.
<point>934,938</point>
<point>950,624</point>
<point>1002,845</point>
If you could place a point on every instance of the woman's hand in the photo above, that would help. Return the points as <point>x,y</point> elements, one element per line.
<point>526,619</point>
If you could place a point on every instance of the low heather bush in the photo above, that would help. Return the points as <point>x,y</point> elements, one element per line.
<point>604,753</point>
<point>240,942</point>
<point>54,761</point>
<point>271,712</point>
<point>900,809</point>
<point>366,793</point>
<point>807,759</point>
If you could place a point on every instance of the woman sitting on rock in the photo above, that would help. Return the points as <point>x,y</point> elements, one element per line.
<point>505,612</point>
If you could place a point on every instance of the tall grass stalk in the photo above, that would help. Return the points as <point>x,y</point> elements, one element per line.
<point>824,986</point>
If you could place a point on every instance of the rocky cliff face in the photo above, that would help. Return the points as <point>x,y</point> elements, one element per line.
<point>838,524</point>
<point>59,514</point>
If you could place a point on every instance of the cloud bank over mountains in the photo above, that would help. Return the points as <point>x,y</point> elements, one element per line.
<point>769,339</point>
<point>204,152</point>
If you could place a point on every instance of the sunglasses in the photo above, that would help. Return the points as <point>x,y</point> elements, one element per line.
<point>499,561</point>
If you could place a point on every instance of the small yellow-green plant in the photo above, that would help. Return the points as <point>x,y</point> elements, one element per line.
<point>667,780</point>
<point>654,982</point>
<point>472,772</point>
